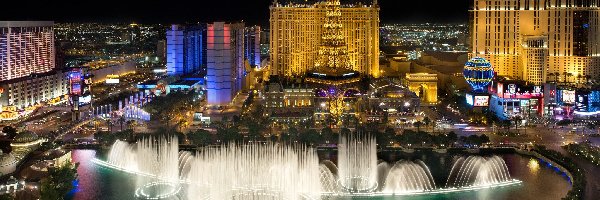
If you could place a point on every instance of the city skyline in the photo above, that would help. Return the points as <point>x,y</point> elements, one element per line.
<point>252,12</point>
<point>300,99</point>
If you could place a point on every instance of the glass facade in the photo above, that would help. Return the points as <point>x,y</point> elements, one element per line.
<point>186,49</point>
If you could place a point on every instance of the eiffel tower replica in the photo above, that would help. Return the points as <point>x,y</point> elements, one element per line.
<point>332,70</point>
<point>332,66</point>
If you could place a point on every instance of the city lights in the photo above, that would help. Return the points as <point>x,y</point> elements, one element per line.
<point>300,100</point>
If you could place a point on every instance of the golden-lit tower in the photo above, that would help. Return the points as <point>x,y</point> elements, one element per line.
<point>538,40</point>
<point>296,36</point>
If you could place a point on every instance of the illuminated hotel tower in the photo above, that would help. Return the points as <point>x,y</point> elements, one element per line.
<point>26,47</point>
<point>535,39</point>
<point>296,30</point>
<point>186,49</point>
<point>252,45</point>
<point>225,61</point>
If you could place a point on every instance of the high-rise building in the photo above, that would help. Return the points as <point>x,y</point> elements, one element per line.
<point>225,61</point>
<point>252,45</point>
<point>175,49</point>
<point>28,74</point>
<point>264,43</point>
<point>296,29</point>
<point>134,33</point>
<point>538,40</point>
<point>26,47</point>
<point>161,50</point>
<point>186,49</point>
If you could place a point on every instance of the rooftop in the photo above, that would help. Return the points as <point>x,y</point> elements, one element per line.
<point>186,82</point>
<point>332,73</point>
<point>445,56</point>
<point>312,3</point>
<point>25,23</point>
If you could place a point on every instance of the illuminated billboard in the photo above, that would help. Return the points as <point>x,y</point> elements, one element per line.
<point>199,118</point>
<point>75,81</point>
<point>481,101</point>
<point>512,89</point>
<point>568,96</point>
<point>85,100</point>
<point>75,89</point>
<point>112,81</point>
<point>537,89</point>
<point>469,99</point>
<point>75,76</point>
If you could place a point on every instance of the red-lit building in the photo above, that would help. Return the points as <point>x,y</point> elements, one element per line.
<point>511,98</point>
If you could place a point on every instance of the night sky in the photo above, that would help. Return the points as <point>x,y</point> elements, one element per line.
<point>179,11</point>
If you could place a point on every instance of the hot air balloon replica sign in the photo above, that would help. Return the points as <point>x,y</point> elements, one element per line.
<point>479,73</point>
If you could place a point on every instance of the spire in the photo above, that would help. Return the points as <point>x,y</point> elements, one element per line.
<point>333,52</point>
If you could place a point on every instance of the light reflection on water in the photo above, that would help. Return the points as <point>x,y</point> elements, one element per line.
<point>99,183</point>
<point>540,181</point>
<point>534,166</point>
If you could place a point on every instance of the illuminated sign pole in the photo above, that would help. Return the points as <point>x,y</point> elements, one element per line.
<point>88,80</point>
<point>75,91</point>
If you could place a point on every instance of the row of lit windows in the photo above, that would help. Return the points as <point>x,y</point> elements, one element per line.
<point>532,4</point>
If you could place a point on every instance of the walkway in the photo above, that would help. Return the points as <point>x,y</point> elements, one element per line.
<point>592,174</point>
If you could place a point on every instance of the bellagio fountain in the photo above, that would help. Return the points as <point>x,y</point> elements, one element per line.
<point>273,171</point>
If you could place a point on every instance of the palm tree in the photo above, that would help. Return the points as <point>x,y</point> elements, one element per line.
<point>570,75</point>
<point>552,77</point>
<point>517,119</point>
<point>109,123</point>
<point>418,124</point>
<point>588,79</point>
<point>556,76</point>
<point>565,79</point>
<point>426,121</point>
<point>121,121</point>
<point>131,124</point>
<point>505,124</point>
<point>579,78</point>
<point>167,118</point>
<point>182,123</point>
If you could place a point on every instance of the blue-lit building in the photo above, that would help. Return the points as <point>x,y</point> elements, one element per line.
<point>252,45</point>
<point>581,103</point>
<point>186,49</point>
<point>594,101</point>
<point>225,62</point>
<point>218,51</point>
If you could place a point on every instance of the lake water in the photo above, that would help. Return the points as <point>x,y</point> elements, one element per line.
<point>540,180</point>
